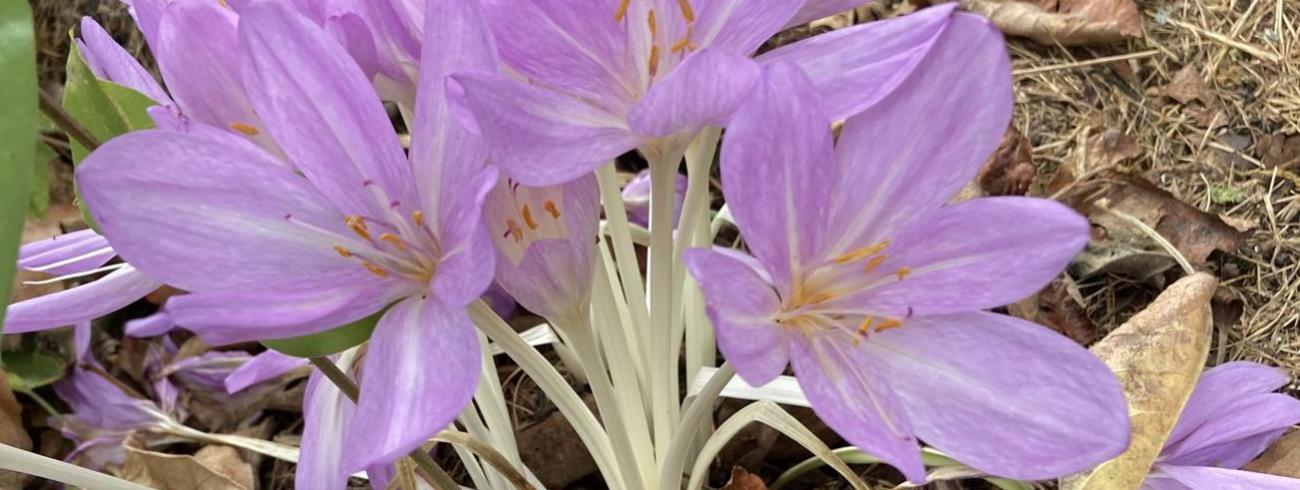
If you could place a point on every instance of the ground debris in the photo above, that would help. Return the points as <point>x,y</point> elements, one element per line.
<point>742,479</point>
<point>1072,23</point>
<point>1059,306</point>
<point>1281,459</point>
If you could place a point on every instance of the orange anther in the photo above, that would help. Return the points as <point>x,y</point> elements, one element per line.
<point>342,251</point>
<point>393,239</point>
<point>528,217</point>
<point>244,128</point>
<point>374,269</point>
<point>358,226</point>
<point>552,209</point>
<point>874,263</point>
<point>417,217</point>
<point>903,272</point>
<point>622,10</point>
<point>887,324</point>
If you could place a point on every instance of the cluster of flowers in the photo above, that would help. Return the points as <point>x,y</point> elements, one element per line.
<point>276,192</point>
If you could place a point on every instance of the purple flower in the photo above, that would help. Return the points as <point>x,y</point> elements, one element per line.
<point>1232,416</point>
<point>543,237</point>
<point>871,286</point>
<point>636,199</point>
<point>262,367</point>
<point>358,230</point>
<point>69,256</point>
<point>102,417</point>
<point>602,78</point>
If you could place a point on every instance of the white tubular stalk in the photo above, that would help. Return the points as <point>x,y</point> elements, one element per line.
<point>663,308</point>
<point>593,435</point>
<point>14,459</point>
<point>626,387</point>
<point>692,232</point>
<point>697,412</point>
<point>629,269</point>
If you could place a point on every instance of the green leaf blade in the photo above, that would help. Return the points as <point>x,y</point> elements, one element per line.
<point>17,134</point>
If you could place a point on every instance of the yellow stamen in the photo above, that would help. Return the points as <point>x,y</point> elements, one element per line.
<point>866,325</point>
<point>224,3</point>
<point>551,209</point>
<point>358,226</point>
<point>622,10</point>
<point>244,128</point>
<point>342,251</point>
<point>654,32</point>
<point>862,253</point>
<point>684,44</point>
<point>654,60</point>
<point>374,269</point>
<point>528,217</point>
<point>688,13</point>
<point>417,217</point>
<point>874,263</point>
<point>514,230</point>
<point>887,324</point>
<point>395,240</point>
<point>903,272</point>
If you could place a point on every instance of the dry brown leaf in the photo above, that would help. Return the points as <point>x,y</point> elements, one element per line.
<point>1077,23</point>
<point>742,479</point>
<point>225,460</point>
<point>182,472</point>
<point>1188,86</point>
<point>1010,170</point>
<point>1193,232</point>
<point>1059,306</point>
<point>1281,459</point>
<point>1157,355</point>
<point>11,431</point>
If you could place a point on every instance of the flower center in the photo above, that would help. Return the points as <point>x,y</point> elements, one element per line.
<point>520,215</point>
<point>815,304</point>
<point>678,46</point>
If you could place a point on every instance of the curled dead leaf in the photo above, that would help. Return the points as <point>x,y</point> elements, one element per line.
<point>1010,170</point>
<point>217,469</point>
<point>1193,232</point>
<point>12,432</point>
<point>1158,356</point>
<point>1075,23</point>
<point>1059,306</point>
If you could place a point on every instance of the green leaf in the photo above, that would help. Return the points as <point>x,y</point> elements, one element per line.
<point>331,341</point>
<point>104,108</point>
<point>39,187</point>
<point>29,370</point>
<point>17,133</point>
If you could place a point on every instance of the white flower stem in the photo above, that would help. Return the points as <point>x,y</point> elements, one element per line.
<point>663,185</point>
<point>637,468</point>
<point>697,412</point>
<point>692,231</point>
<point>593,435</point>
<point>629,270</point>
<point>14,459</point>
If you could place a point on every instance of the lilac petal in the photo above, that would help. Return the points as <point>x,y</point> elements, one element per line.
<point>79,304</point>
<point>151,326</point>
<point>741,26</point>
<point>82,333</point>
<point>318,105</point>
<point>816,9</point>
<point>741,304</point>
<point>69,253</point>
<point>903,160</point>
<point>420,372</point>
<point>1218,388</point>
<point>501,302</point>
<point>351,31</point>
<point>197,56</point>
<point>227,317</point>
<point>1003,395</point>
<point>850,394</point>
<point>146,14</point>
<point>703,91</point>
<point>636,199</point>
<point>544,240</point>
<point>109,61</point>
<point>978,254</point>
<point>327,416</point>
<point>777,169</point>
<point>540,137</point>
<point>262,367</point>
<point>1226,438</point>
<point>573,46</point>
<point>98,402</point>
<point>396,25</point>
<point>233,218</point>
<point>465,267</point>
<point>856,67</point>
<point>1207,478</point>
<point>449,161</point>
<point>1231,454</point>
